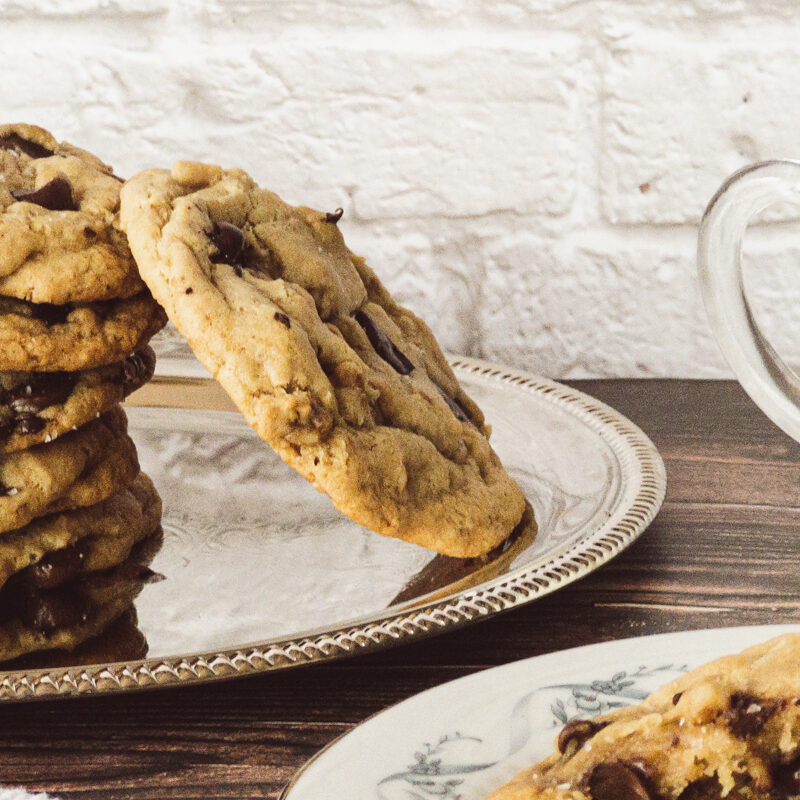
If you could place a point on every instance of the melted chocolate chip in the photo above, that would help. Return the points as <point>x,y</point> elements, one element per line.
<point>230,243</point>
<point>748,714</point>
<point>382,344</point>
<point>576,733</point>
<point>52,610</point>
<point>283,319</point>
<point>54,569</point>
<point>13,141</point>
<point>786,780</point>
<point>52,315</point>
<point>134,370</point>
<point>676,698</point>
<point>40,391</point>
<point>454,406</point>
<point>621,780</point>
<point>334,217</point>
<point>28,423</point>
<point>55,195</point>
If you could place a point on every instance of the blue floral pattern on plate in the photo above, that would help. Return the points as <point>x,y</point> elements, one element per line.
<point>437,771</point>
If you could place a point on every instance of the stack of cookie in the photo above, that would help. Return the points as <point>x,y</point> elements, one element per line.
<point>75,319</point>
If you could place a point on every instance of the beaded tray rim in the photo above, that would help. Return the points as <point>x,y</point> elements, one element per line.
<point>644,483</point>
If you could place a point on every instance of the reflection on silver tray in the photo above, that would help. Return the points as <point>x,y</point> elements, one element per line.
<point>263,573</point>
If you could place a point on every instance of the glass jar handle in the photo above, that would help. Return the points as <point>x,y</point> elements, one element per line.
<point>773,385</point>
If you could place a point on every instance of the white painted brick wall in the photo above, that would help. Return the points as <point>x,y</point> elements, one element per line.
<point>526,174</point>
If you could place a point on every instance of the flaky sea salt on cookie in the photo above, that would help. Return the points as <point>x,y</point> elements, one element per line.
<point>351,389</point>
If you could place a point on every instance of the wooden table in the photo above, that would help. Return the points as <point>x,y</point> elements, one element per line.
<point>725,550</point>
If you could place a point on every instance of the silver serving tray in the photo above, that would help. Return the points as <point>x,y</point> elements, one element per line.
<point>262,573</point>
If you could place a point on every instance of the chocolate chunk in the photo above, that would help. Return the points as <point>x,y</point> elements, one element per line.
<point>230,243</point>
<point>13,141</point>
<point>621,780</point>
<point>40,391</point>
<point>6,491</point>
<point>28,423</point>
<point>786,780</point>
<point>52,315</point>
<point>334,217</point>
<point>748,714</point>
<point>50,611</point>
<point>383,345</point>
<point>283,319</point>
<point>55,195</point>
<point>576,733</point>
<point>134,370</point>
<point>454,406</point>
<point>54,569</point>
<point>676,698</point>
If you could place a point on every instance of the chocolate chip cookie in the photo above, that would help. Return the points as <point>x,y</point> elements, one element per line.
<point>62,618</point>
<point>78,469</point>
<point>349,388</point>
<point>59,238</point>
<point>44,338</point>
<point>728,729</point>
<point>55,548</point>
<point>38,407</point>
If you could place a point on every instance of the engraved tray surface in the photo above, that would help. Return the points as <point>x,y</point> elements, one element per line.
<point>261,572</point>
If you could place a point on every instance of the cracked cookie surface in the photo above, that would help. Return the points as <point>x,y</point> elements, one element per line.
<point>80,468</point>
<point>59,237</point>
<point>729,729</point>
<point>37,407</point>
<point>349,388</point>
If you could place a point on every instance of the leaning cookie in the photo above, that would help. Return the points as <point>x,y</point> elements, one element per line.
<point>349,388</point>
<point>38,407</point>
<point>730,728</point>
<point>48,338</point>
<point>59,238</point>
<point>78,469</point>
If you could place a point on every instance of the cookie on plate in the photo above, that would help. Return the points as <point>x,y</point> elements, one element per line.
<point>349,388</point>
<point>38,407</point>
<point>729,729</point>
<point>78,469</point>
<point>59,238</point>
<point>45,338</point>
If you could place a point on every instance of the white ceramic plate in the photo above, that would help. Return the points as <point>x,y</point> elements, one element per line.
<point>461,740</point>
